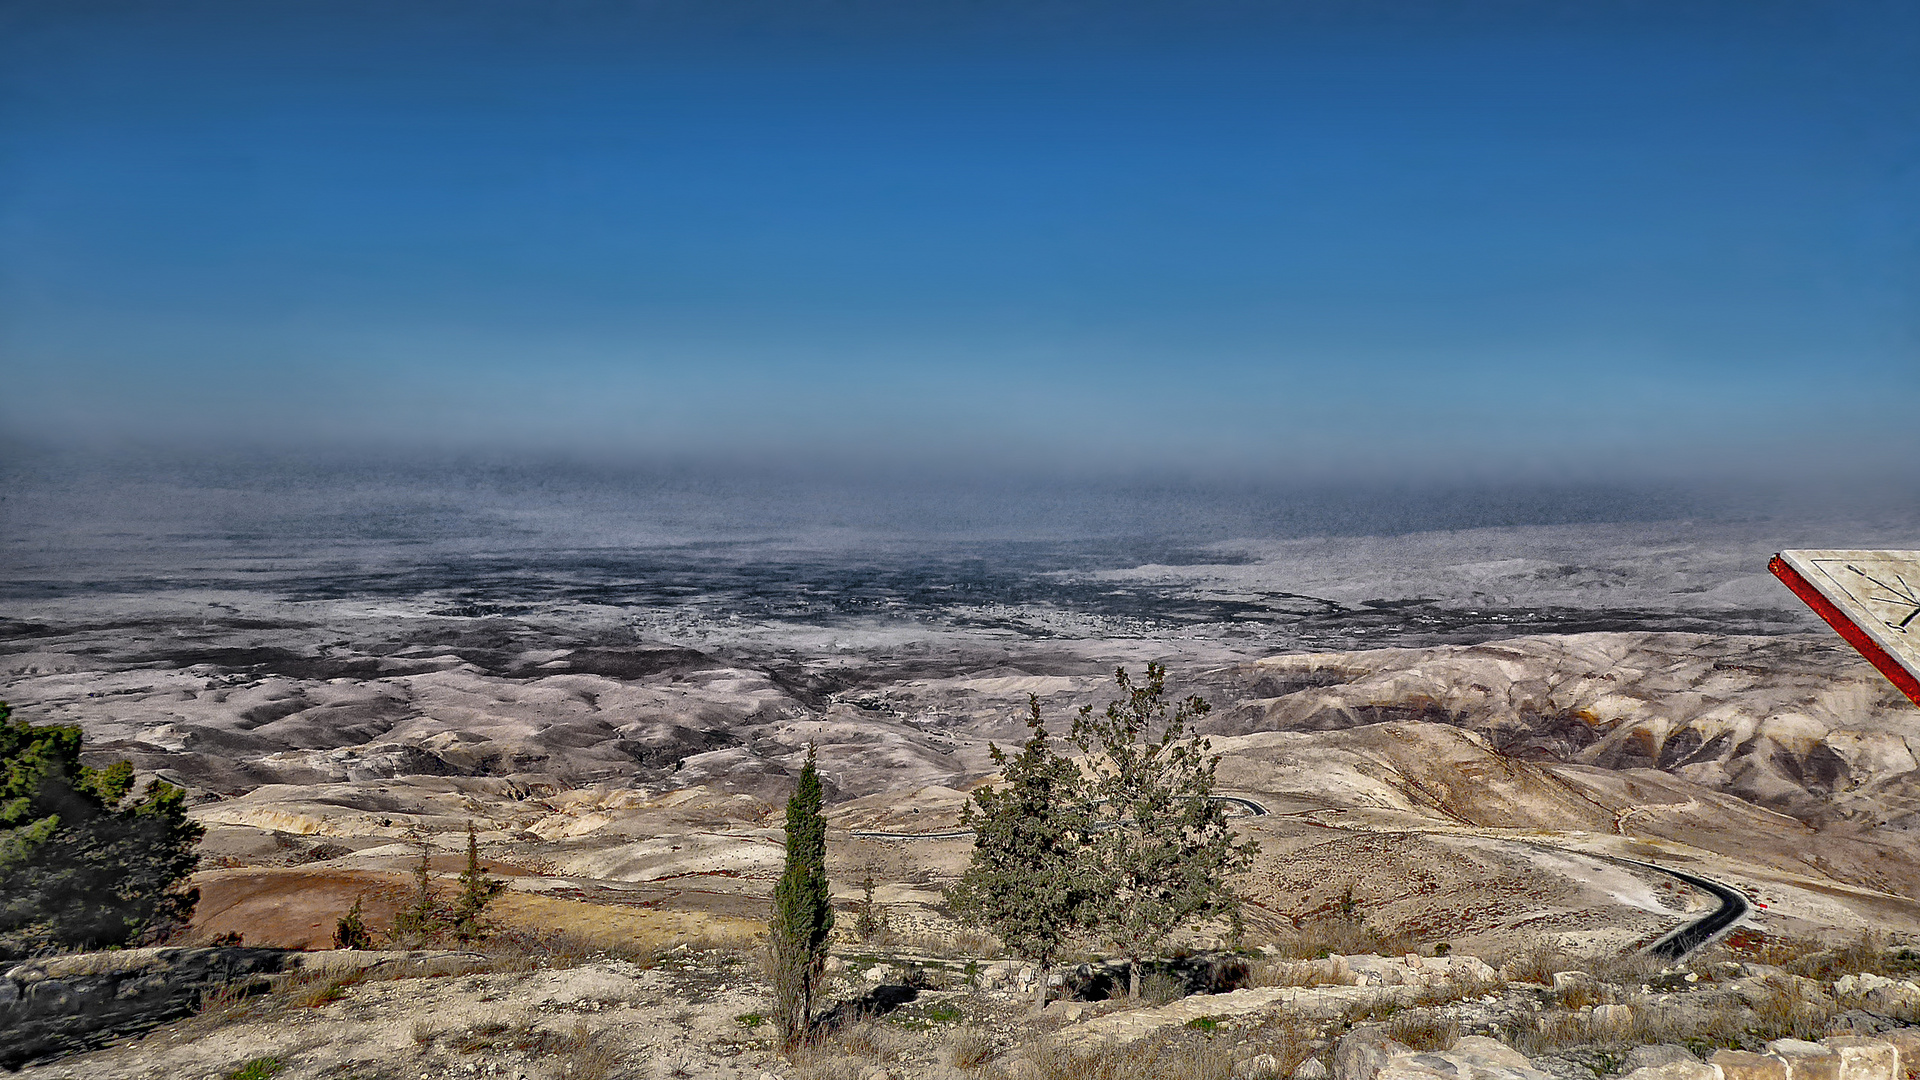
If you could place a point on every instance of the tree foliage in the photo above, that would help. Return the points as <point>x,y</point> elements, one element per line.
<point>423,914</point>
<point>802,911</point>
<point>1163,844</point>
<point>477,889</point>
<point>80,865</point>
<point>1031,881</point>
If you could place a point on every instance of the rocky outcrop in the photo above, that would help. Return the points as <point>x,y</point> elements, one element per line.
<point>66,1004</point>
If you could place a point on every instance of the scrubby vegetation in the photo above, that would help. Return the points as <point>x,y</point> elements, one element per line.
<point>81,866</point>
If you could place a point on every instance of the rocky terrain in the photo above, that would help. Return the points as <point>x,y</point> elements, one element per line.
<point>1486,796</point>
<point>693,1013</point>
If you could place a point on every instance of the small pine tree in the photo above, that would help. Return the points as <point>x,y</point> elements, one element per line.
<point>1165,846</point>
<point>1031,880</point>
<point>867,924</point>
<point>802,910</point>
<point>477,890</point>
<point>421,916</point>
<point>351,931</point>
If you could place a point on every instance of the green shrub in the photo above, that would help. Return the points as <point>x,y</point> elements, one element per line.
<point>264,1068</point>
<point>80,866</point>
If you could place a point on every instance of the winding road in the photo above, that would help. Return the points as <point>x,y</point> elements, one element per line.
<point>1680,942</point>
<point>1674,945</point>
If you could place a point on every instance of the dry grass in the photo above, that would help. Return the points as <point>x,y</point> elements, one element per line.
<point>261,998</point>
<point>1423,1029</point>
<point>846,1054</point>
<point>960,944</point>
<point>1701,1029</point>
<point>1160,988</point>
<point>584,1053</point>
<point>609,927</point>
<point>1536,963</point>
<point>1280,1045</point>
<point>969,1048</point>
<point>1335,936</point>
<point>1182,1056</point>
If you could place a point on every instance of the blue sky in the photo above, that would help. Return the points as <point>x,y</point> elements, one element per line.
<point>1489,237</point>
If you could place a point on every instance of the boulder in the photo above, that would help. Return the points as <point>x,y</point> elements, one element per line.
<point>1564,981</point>
<point>1907,1042</point>
<point>1641,1057</point>
<point>1690,1069</point>
<point>1473,968</point>
<point>1412,1066</point>
<point>1864,1059</point>
<point>1805,1060</point>
<point>1473,1057</point>
<point>1741,1065</point>
<point>1612,1019</point>
<point>1364,1052</point>
<point>1481,1050</point>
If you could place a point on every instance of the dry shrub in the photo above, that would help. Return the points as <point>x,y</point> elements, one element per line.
<point>263,998</point>
<point>1175,1056</point>
<point>1536,963</point>
<point>1787,1009</point>
<point>1423,1029</point>
<point>1335,936</point>
<point>969,1048</point>
<point>961,943</point>
<point>847,1052</point>
<point>1868,953</point>
<point>1721,1024</point>
<point>523,949</point>
<point>586,1054</point>
<point>1633,968</point>
<point>1582,994</point>
<point>1159,988</point>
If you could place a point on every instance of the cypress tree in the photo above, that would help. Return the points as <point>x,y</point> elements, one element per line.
<point>802,911</point>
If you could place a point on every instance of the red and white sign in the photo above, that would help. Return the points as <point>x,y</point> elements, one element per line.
<point>1871,597</point>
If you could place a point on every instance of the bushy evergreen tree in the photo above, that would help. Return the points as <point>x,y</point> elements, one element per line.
<point>1163,845</point>
<point>80,866</point>
<point>802,910</point>
<point>1031,880</point>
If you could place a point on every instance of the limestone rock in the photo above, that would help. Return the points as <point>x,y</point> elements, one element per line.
<point>1741,1065</point>
<point>1612,1018</point>
<point>1676,1070</point>
<point>1472,967</point>
<point>1641,1057</point>
<point>1805,1060</point>
<point>1864,1059</point>
<point>1310,1069</point>
<point>1907,1041</point>
<point>1564,981</point>
<point>1473,1057</point>
<point>1364,1052</point>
